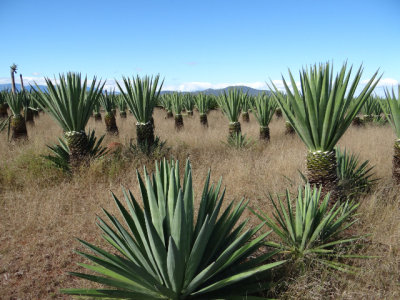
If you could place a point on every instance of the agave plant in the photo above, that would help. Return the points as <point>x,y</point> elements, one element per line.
<point>264,108</point>
<point>355,177</point>
<point>371,109</point>
<point>322,112</point>
<point>246,105</point>
<point>178,102</point>
<point>3,104</point>
<point>309,232</point>
<point>97,112</point>
<point>29,108</point>
<point>203,105</point>
<point>16,122</point>
<point>392,112</point>
<point>141,96</point>
<point>189,103</point>
<point>107,101</point>
<point>278,113</point>
<point>121,104</point>
<point>60,156</point>
<point>288,127</point>
<point>239,141</point>
<point>71,104</point>
<point>165,101</point>
<point>166,252</point>
<point>231,105</point>
<point>213,102</point>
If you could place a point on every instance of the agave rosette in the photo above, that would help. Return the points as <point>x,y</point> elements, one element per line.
<point>165,252</point>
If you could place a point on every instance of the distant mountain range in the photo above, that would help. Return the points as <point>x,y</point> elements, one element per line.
<point>7,86</point>
<point>216,92</point>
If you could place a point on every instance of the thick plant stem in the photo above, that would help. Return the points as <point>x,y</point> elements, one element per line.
<point>322,172</point>
<point>278,113</point>
<point>289,128</point>
<point>178,122</point>
<point>396,162</point>
<point>246,117</point>
<point>190,113</point>
<point>145,134</point>
<point>264,133</point>
<point>29,116</point>
<point>234,128</point>
<point>204,120</point>
<point>97,117</point>
<point>18,128</point>
<point>357,122</point>
<point>169,115</point>
<point>368,119</point>
<point>122,114</point>
<point>3,110</point>
<point>78,145</point>
<point>111,124</point>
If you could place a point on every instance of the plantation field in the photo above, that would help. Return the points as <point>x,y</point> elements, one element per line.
<point>43,210</point>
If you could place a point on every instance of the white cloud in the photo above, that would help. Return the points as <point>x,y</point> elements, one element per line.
<point>27,80</point>
<point>35,74</point>
<point>384,82</point>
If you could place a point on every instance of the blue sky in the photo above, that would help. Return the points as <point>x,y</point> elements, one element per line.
<point>198,44</point>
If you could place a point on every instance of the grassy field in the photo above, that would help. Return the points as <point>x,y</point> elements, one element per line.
<point>43,210</point>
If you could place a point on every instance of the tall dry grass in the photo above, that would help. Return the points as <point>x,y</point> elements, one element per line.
<point>43,210</point>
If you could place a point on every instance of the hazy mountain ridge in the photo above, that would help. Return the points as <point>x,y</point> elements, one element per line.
<point>7,86</point>
<point>216,92</point>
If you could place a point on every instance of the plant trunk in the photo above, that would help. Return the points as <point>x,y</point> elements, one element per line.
<point>114,112</point>
<point>396,162</point>
<point>3,110</point>
<point>18,128</point>
<point>289,128</point>
<point>178,122</point>
<point>322,172</point>
<point>29,116</point>
<point>78,145</point>
<point>122,114</point>
<point>111,124</point>
<point>145,134</point>
<point>357,122</point>
<point>264,133</point>
<point>204,120</point>
<point>246,117</point>
<point>97,117</point>
<point>234,128</point>
<point>169,115</point>
<point>278,113</point>
<point>190,113</point>
<point>368,118</point>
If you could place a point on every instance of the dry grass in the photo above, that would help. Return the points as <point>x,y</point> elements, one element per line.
<point>42,210</point>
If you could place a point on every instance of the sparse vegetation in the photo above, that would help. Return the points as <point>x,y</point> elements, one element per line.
<point>317,236</point>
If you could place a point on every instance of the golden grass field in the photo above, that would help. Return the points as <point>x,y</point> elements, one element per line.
<point>42,210</point>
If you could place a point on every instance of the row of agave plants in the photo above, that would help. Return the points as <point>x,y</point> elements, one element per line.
<point>167,249</point>
<point>319,112</point>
